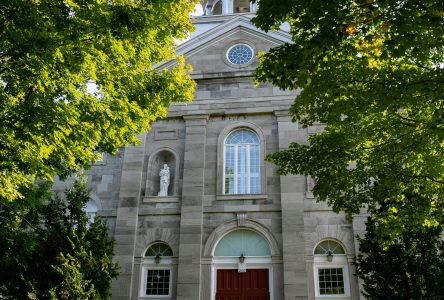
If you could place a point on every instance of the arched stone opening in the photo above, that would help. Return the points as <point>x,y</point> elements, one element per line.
<point>155,164</point>
<point>233,225</point>
<point>241,246</point>
<point>245,242</point>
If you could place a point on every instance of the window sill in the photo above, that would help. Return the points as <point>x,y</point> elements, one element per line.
<point>242,197</point>
<point>160,199</point>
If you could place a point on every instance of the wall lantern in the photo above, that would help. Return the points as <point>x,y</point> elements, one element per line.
<point>157,258</point>
<point>242,258</point>
<point>329,256</point>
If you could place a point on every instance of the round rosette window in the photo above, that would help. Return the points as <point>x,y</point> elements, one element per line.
<point>240,54</point>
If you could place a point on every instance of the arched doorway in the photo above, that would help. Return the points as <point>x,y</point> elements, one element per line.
<point>242,266</point>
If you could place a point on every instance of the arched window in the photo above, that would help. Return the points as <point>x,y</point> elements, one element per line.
<point>331,269</point>
<point>159,250</point>
<point>156,279</point>
<point>91,210</point>
<point>242,163</point>
<point>242,241</point>
<point>241,6</point>
<point>217,7</point>
<point>217,10</point>
<point>329,247</point>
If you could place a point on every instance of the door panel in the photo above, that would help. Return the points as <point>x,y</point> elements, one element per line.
<point>251,285</point>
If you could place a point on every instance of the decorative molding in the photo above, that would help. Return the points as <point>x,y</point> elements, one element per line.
<point>241,217</point>
<point>221,31</point>
<point>196,120</point>
<point>232,225</point>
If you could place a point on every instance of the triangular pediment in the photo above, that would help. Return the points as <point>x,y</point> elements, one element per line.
<point>224,31</point>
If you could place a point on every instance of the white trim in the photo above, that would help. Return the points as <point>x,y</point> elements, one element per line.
<point>221,157</point>
<point>163,265</point>
<point>235,169</point>
<point>231,225</point>
<point>227,7</point>
<point>247,163</point>
<point>339,262</point>
<point>240,44</point>
<point>247,167</point>
<point>232,263</point>
<point>215,258</point>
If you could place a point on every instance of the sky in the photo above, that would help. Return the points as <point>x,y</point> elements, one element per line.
<point>198,10</point>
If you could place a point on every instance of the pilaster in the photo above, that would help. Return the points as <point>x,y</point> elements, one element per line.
<point>292,204</point>
<point>127,217</point>
<point>188,281</point>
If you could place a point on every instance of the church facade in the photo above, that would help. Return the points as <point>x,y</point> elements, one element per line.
<point>195,210</point>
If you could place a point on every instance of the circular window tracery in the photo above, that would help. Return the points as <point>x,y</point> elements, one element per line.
<point>240,54</point>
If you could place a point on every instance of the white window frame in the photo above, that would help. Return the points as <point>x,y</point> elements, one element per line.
<point>338,261</point>
<point>341,263</point>
<point>228,6</point>
<point>240,44</point>
<point>149,264</point>
<point>247,164</point>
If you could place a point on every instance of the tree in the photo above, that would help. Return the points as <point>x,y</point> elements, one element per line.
<point>49,250</point>
<point>409,269</point>
<point>78,77</point>
<point>373,72</point>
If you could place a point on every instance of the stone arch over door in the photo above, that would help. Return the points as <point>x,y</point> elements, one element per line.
<point>232,225</point>
<point>265,263</point>
<point>155,162</point>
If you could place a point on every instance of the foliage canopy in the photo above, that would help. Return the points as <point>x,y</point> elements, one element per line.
<point>409,269</point>
<point>50,250</point>
<point>79,76</point>
<point>373,72</point>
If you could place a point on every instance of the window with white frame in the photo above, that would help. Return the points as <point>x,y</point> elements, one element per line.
<point>242,163</point>
<point>241,6</point>
<point>331,270</point>
<point>218,7</point>
<point>156,271</point>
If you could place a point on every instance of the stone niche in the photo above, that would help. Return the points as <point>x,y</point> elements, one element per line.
<point>155,164</point>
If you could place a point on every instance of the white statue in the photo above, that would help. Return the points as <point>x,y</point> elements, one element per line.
<point>164,180</point>
<point>310,183</point>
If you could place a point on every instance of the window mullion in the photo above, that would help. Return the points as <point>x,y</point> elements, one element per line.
<point>235,175</point>
<point>247,167</point>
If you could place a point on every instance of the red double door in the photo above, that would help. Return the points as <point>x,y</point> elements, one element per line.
<point>251,285</point>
